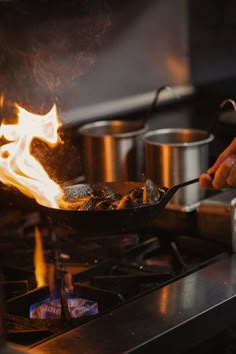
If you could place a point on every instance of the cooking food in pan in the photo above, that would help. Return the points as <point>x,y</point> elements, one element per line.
<point>106,197</point>
<point>111,206</point>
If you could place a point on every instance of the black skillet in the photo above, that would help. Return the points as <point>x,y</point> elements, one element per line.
<point>112,221</point>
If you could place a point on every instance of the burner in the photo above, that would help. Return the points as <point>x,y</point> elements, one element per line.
<point>108,270</point>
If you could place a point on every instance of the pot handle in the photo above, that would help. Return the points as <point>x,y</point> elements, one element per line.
<point>156,99</point>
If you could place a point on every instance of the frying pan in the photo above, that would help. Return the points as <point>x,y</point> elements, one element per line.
<point>112,221</point>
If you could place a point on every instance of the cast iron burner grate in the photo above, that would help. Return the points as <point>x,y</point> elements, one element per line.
<point>110,270</point>
<point>151,264</point>
<point>111,283</point>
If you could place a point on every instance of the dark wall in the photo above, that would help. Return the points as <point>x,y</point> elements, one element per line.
<point>212,34</point>
<point>84,52</point>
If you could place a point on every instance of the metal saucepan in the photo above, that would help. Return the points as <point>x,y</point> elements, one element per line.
<point>118,147</point>
<point>112,221</point>
<point>174,155</point>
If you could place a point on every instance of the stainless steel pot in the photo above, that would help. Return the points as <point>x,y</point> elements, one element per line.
<point>173,156</point>
<point>112,150</point>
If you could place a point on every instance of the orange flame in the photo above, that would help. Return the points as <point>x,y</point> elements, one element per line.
<point>18,167</point>
<point>39,263</point>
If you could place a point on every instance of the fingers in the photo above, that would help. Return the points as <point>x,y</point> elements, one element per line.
<point>230,150</point>
<point>225,174</point>
<point>205,181</point>
<point>224,170</point>
<point>231,179</point>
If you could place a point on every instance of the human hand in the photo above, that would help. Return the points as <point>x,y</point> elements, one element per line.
<point>224,170</point>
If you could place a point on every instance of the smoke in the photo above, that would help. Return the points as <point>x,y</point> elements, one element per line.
<point>46,45</point>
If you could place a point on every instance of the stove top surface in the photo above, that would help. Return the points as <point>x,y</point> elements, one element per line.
<point>133,278</point>
<point>173,319</point>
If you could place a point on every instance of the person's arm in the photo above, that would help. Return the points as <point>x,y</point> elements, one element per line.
<point>224,170</point>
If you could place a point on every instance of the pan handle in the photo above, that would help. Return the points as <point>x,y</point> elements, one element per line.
<point>169,194</point>
<point>171,191</point>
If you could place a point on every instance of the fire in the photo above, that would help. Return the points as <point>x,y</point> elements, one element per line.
<point>18,167</point>
<point>39,263</point>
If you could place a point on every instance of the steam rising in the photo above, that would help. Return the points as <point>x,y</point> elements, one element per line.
<point>47,45</point>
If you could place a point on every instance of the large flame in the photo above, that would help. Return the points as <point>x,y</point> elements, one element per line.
<point>39,262</point>
<point>18,167</point>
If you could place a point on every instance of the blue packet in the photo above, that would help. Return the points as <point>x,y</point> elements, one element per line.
<point>50,308</point>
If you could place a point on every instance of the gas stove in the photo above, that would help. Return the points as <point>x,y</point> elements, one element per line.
<point>150,288</point>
